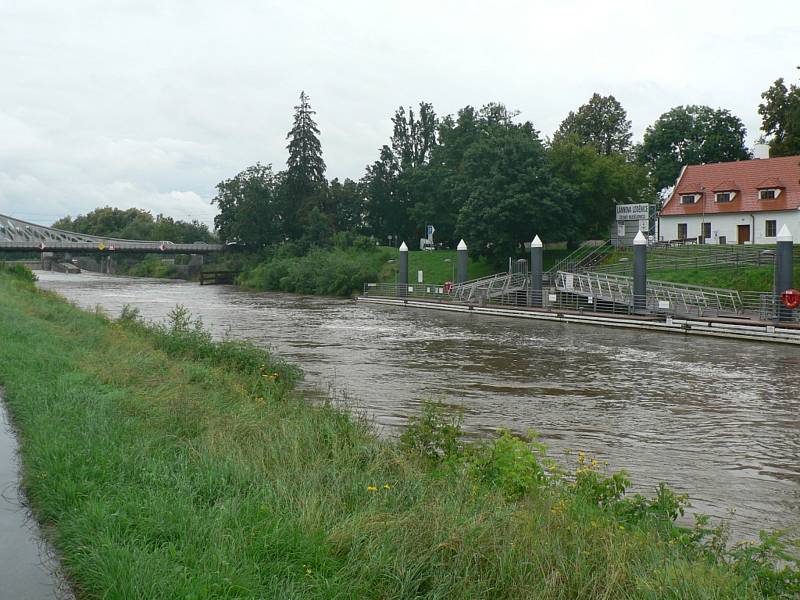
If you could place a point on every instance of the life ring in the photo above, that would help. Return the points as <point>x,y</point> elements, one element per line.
<point>448,287</point>
<point>791,298</point>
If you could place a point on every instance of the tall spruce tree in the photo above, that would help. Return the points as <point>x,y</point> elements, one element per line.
<point>305,176</point>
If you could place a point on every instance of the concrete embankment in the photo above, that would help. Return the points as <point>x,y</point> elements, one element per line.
<point>761,332</point>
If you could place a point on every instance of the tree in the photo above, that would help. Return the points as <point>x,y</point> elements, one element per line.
<point>512,192</point>
<point>413,138</point>
<point>346,204</point>
<point>386,212</point>
<point>688,135</point>
<point>602,123</point>
<point>135,224</point>
<point>250,208</point>
<point>598,182</point>
<point>391,184</point>
<point>305,175</point>
<point>441,187</point>
<point>780,114</point>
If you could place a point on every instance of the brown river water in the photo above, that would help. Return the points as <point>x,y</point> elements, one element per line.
<point>716,419</point>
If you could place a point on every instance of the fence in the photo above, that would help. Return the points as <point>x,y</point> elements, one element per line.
<point>610,294</point>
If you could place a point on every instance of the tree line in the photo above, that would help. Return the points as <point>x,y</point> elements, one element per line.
<point>136,224</point>
<point>485,175</point>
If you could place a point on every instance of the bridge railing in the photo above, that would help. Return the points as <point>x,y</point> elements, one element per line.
<point>110,246</point>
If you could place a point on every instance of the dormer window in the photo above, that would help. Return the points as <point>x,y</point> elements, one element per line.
<point>769,193</point>
<point>689,198</point>
<point>724,196</point>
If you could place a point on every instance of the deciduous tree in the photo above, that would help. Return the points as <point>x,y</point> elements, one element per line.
<point>601,123</point>
<point>688,135</point>
<point>250,208</point>
<point>780,114</point>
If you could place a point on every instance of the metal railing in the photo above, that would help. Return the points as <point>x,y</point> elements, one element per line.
<point>601,293</point>
<point>586,256</point>
<point>482,290</point>
<point>691,299</point>
<point>427,291</point>
<point>703,256</point>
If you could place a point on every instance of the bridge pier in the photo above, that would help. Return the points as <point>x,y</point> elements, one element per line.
<point>537,261</point>
<point>640,273</point>
<point>195,265</point>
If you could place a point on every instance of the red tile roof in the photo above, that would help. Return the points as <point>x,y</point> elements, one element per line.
<point>748,176</point>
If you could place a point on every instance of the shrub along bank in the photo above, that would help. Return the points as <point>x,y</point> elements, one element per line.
<point>344,271</point>
<point>166,465</point>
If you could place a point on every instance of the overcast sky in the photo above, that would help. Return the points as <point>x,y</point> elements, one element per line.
<point>150,104</point>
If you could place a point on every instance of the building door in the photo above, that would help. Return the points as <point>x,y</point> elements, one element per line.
<point>742,234</point>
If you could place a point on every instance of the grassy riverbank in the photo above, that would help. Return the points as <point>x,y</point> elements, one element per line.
<point>164,465</point>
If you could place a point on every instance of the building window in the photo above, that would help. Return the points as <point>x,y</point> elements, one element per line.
<point>771,228</point>
<point>723,239</point>
<point>724,197</point>
<point>767,194</point>
<point>688,198</point>
<point>706,230</point>
<point>682,230</point>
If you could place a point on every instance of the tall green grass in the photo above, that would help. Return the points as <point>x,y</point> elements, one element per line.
<point>165,465</point>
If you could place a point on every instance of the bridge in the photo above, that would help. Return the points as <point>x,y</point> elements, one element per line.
<point>21,236</point>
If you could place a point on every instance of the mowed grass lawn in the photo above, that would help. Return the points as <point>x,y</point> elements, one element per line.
<point>163,465</point>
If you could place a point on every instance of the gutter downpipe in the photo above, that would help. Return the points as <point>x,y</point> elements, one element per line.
<point>753,230</point>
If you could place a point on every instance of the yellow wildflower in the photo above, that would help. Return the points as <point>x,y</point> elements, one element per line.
<point>372,488</point>
<point>386,486</point>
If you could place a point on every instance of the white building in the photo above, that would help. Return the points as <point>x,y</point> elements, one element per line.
<point>742,202</point>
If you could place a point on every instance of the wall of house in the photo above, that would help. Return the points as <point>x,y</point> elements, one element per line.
<point>725,225</point>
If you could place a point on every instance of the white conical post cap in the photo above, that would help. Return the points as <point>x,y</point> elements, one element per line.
<point>536,243</point>
<point>640,240</point>
<point>461,245</point>
<point>403,247</point>
<point>784,235</point>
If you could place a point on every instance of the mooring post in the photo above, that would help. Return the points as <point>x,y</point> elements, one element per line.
<point>537,269</point>
<point>783,270</point>
<point>461,270</point>
<point>402,276</point>
<point>640,272</point>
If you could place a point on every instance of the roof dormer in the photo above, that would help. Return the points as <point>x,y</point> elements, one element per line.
<point>770,188</point>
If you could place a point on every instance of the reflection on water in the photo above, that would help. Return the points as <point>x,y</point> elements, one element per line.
<point>718,419</point>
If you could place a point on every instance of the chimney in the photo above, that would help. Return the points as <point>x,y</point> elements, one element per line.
<point>761,151</point>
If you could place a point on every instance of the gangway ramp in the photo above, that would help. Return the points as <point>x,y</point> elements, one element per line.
<point>661,294</point>
<point>493,286</point>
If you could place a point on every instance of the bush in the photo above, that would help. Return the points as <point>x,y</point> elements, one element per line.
<point>19,272</point>
<point>335,272</point>
<point>434,435</point>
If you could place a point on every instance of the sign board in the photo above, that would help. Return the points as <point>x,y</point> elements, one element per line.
<point>633,212</point>
<point>621,229</point>
<point>644,225</point>
<point>419,276</point>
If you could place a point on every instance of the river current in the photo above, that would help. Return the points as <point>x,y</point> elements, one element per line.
<point>716,419</point>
